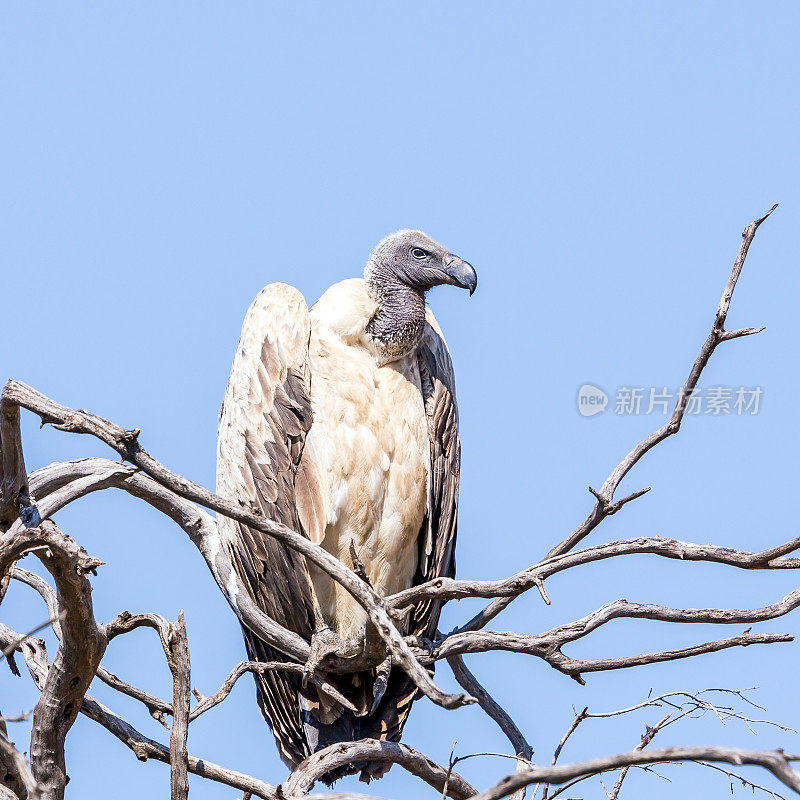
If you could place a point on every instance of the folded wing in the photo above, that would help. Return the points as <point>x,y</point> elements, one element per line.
<point>264,420</point>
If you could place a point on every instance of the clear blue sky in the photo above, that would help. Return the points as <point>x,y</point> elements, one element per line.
<point>595,162</point>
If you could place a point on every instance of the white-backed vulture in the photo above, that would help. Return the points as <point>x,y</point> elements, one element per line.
<point>341,423</point>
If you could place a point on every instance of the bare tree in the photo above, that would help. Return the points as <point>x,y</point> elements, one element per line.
<point>29,501</point>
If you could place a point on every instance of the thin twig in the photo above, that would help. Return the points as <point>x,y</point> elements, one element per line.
<point>25,636</point>
<point>578,718</point>
<point>240,669</point>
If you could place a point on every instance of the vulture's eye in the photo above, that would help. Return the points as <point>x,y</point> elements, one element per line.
<point>418,252</point>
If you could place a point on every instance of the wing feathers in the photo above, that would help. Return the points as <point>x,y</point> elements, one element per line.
<point>265,417</point>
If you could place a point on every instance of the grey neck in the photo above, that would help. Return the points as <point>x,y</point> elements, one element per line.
<point>397,326</point>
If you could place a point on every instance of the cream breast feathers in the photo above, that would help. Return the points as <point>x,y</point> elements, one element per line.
<point>345,309</point>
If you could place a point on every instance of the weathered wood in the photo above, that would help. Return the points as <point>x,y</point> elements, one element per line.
<point>300,782</point>
<point>81,648</point>
<point>13,477</point>
<point>776,762</point>
<point>176,649</point>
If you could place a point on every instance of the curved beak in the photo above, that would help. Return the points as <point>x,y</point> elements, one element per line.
<point>461,273</point>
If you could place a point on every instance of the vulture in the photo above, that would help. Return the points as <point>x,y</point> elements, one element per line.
<point>340,421</point>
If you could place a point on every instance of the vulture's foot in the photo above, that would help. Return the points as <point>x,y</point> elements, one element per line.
<point>381,679</point>
<point>326,642</point>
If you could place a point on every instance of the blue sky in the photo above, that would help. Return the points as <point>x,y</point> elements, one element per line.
<point>595,162</point>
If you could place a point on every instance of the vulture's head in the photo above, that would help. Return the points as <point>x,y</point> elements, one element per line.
<point>412,259</point>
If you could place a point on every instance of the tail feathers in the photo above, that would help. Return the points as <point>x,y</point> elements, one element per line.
<point>384,724</point>
<point>304,721</point>
<point>277,693</point>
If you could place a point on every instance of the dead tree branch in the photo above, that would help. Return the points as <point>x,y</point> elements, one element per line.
<point>682,704</point>
<point>82,645</point>
<point>301,781</point>
<point>145,748</point>
<point>777,762</point>
<point>206,703</point>
<point>13,477</point>
<point>176,649</point>
<point>17,780</point>
<point>649,735</point>
<point>155,706</point>
<point>548,645</point>
<point>452,589</point>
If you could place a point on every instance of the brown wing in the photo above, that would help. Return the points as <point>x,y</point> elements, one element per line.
<point>437,537</point>
<point>264,420</point>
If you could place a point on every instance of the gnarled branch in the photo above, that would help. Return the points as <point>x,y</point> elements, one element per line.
<point>315,766</point>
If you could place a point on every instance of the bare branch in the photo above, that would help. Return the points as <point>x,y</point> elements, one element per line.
<point>17,718</point>
<point>776,762</point>
<point>690,705</point>
<point>154,705</point>
<point>518,643</point>
<point>672,426</point>
<point>547,645</point>
<point>695,702</point>
<point>13,477</point>
<point>126,622</point>
<point>315,766</point>
<point>622,609</point>
<point>451,589</point>
<point>649,735</point>
<point>82,645</point>
<point>145,748</point>
<point>142,747</point>
<point>741,779</point>
<point>177,652</point>
<point>33,651</point>
<point>45,591</point>
<point>113,474</point>
<point>17,778</point>
<point>9,649</point>
<point>265,666</point>
<point>579,717</point>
